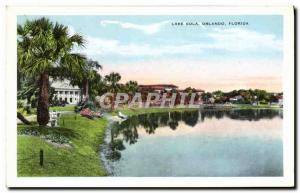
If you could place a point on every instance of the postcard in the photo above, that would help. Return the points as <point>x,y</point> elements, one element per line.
<point>150,96</point>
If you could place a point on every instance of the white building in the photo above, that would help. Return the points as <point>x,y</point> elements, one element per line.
<point>64,91</point>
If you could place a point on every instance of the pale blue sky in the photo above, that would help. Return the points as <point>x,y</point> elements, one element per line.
<point>150,49</point>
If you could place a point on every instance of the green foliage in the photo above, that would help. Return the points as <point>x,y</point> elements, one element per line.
<point>44,46</point>
<point>46,131</point>
<point>20,104</point>
<point>46,49</point>
<point>218,93</point>
<point>56,138</point>
<point>112,81</point>
<point>88,79</point>
<point>27,89</point>
<point>85,104</point>
<point>249,96</point>
<point>131,87</point>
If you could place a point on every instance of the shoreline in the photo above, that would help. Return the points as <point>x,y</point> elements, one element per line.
<point>86,157</point>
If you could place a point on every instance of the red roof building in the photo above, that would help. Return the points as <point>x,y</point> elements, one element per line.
<point>157,87</point>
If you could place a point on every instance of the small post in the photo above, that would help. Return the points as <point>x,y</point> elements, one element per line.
<point>63,122</point>
<point>41,157</point>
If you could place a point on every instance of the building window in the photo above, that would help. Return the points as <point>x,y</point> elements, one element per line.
<point>76,92</point>
<point>71,100</point>
<point>60,92</point>
<point>66,92</point>
<point>71,92</point>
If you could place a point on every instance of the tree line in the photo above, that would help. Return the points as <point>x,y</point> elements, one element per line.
<point>245,96</point>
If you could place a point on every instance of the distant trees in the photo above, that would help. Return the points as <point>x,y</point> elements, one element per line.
<point>206,96</point>
<point>242,96</point>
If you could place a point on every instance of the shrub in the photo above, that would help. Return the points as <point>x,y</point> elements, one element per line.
<point>27,109</point>
<point>85,104</point>
<point>87,113</point>
<point>56,138</point>
<point>20,104</point>
<point>57,135</point>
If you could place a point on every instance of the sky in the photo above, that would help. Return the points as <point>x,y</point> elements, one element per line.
<point>153,50</point>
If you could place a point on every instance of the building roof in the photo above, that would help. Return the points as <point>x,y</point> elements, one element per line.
<point>199,90</point>
<point>63,84</point>
<point>158,86</point>
<point>196,90</point>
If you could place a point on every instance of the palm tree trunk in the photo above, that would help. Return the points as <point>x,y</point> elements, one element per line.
<point>43,100</point>
<point>22,118</point>
<point>113,102</point>
<point>86,89</point>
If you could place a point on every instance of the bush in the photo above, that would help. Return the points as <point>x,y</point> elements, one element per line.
<point>84,105</point>
<point>56,138</point>
<point>20,104</point>
<point>27,109</point>
<point>263,102</point>
<point>28,132</point>
<point>57,135</point>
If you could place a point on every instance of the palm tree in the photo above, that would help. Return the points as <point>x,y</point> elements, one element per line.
<point>87,77</point>
<point>112,81</point>
<point>90,75</point>
<point>45,49</point>
<point>131,88</point>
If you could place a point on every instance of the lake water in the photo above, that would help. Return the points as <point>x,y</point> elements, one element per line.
<point>199,143</point>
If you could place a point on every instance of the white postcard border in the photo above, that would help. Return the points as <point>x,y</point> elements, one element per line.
<point>288,88</point>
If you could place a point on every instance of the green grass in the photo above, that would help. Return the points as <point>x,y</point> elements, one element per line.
<point>260,106</point>
<point>56,108</point>
<point>24,113</point>
<point>82,159</point>
<point>138,111</point>
<point>65,108</point>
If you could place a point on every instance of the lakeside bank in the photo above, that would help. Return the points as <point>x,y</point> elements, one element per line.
<point>80,157</point>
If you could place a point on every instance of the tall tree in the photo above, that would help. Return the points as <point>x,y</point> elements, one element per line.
<point>112,81</point>
<point>45,49</point>
<point>131,87</point>
<point>88,78</point>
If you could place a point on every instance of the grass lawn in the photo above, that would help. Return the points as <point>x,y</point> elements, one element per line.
<point>138,111</point>
<point>56,108</point>
<point>82,159</point>
<point>260,106</point>
<point>65,108</point>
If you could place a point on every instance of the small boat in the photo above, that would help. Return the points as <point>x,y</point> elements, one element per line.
<point>121,115</point>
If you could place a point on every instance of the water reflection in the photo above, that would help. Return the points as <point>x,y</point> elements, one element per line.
<point>244,114</point>
<point>127,131</point>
